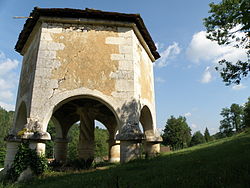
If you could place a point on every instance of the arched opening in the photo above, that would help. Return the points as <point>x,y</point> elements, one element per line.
<point>151,143</point>
<point>75,124</point>
<point>21,118</point>
<point>146,122</point>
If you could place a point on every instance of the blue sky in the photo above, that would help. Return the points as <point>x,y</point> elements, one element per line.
<point>185,80</point>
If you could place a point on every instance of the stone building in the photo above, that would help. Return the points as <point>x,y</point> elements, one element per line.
<point>85,65</point>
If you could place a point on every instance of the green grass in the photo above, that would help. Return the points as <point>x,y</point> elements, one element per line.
<point>221,163</point>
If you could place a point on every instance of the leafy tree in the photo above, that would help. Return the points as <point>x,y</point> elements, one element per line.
<point>233,119</point>
<point>246,117</point>
<point>197,138</point>
<point>73,136</point>
<point>6,121</point>
<point>229,24</point>
<point>226,126</point>
<point>207,135</point>
<point>237,116</point>
<point>101,145</point>
<point>177,133</point>
<point>49,152</point>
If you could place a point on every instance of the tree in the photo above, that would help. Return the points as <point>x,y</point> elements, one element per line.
<point>49,152</point>
<point>6,121</point>
<point>246,116</point>
<point>177,133</point>
<point>197,138</point>
<point>207,135</point>
<point>237,117</point>
<point>101,145</point>
<point>229,24</point>
<point>226,126</point>
<point>233,119</point>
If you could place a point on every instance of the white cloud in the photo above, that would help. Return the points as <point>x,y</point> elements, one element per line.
<point>193,125</point>
<point>7,65</point>
<point>239,87</point>
<point>7,106</point>
<point>168,54</point>
<point>8,95</point>
<point>207,75</point>
<point>160,80</point>
<point>202,49</point>
<point>8,81</point>
<point>188,114</point>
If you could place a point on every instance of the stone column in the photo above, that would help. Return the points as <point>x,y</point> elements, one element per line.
<point>130,137</point>
<point>152,146</point>
<point>36,141</point>
<point>61,149</point>
<point>12,147</point>
<point>87,137</point>
<point>130,149</point>
<point>114,151</point>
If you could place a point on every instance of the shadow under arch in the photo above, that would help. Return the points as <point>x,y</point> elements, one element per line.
<point>146,121</point>
<point>21,117</point>
<point>66,100</point>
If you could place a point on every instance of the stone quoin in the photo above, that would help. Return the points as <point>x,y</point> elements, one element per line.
<point>82,66</point>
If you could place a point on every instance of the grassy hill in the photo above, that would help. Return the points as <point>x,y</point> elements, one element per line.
<point>222,163</point>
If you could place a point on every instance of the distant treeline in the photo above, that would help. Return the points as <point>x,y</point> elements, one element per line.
<point>177,133</point>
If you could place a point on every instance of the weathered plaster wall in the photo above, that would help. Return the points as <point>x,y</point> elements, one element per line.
<point>85,58</point>
<point>82,59</point>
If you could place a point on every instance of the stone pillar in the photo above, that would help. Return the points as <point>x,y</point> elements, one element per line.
<point>61,149</point>
<point>87,137</point>
<point>152,146</point>
<point>12,147</point>
<point>130,137</point>
<point>152,149</point>
<point>130,149</point>
<point>36,141</point>
<point>114,151</point>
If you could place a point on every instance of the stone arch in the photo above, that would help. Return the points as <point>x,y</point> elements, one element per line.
<point>66,113</point>
<point>21,117</point>
<point>64,97</point>
<point>146,120</point>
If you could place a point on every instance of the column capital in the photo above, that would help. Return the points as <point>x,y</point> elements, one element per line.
<point>130,131</point>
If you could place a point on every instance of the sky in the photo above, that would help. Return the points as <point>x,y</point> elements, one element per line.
<point>186,83</point>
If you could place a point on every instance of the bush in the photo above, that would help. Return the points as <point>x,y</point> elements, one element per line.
<point>2,156</point>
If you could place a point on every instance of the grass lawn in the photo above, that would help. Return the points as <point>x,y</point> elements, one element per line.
<point>221,163</point>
